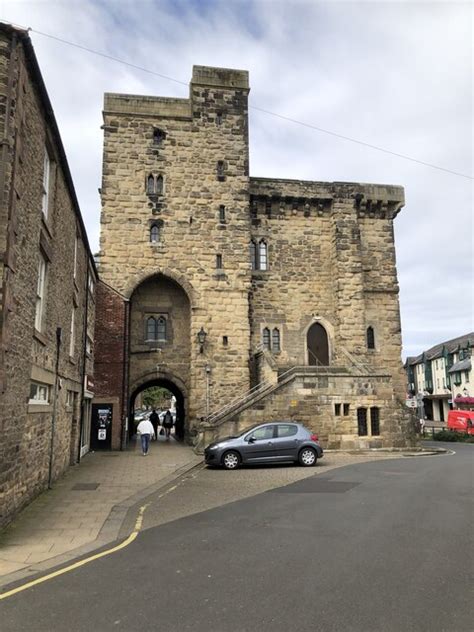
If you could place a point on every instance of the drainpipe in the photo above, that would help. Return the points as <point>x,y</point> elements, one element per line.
<point>55,399</point>
<point>84,359</point>
<point>126,359</point>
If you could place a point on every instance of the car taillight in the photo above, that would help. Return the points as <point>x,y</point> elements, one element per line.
<point>314,437</point>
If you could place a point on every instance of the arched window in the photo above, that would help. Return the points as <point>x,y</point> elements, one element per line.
<point>159,185</point>
<point>275,340</point>
<point>262,251</point>
<point>253,255</point>
<point>154,234</point>
<point>266,338</point>
<point>151,328</point>
<point>150,185</point>
<point>161,328</point>
<point>370,338</point>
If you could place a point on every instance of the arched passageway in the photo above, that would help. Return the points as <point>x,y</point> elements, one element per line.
<point>317,345</point>
<point>145,408</point>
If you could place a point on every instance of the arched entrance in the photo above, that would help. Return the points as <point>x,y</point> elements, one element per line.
<point>180,421</point>
<point>318,345</point>
<point>160,343</point>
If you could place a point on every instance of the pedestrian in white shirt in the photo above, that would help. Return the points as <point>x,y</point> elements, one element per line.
<point>146,431</point>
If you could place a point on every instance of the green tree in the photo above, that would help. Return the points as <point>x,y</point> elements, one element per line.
<point>156,397</point>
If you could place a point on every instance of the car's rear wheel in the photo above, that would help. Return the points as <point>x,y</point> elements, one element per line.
<point>231,460</point>
<point>307,457</point>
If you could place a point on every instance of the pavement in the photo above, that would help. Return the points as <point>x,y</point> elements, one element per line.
<point>87,506</point>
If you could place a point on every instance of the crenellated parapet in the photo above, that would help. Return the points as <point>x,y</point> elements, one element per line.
<point>279,197</point>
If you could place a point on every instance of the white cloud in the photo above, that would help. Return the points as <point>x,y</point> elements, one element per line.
<point>397,75</point>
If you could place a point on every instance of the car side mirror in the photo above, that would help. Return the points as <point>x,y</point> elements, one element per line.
<point>252,439</point>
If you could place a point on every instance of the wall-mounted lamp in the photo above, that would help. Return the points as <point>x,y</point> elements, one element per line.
<point>201,336</point>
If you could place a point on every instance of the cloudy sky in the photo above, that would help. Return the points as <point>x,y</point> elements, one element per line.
<point>397,75</point>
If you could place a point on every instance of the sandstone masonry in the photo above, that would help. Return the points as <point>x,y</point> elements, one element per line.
<point>47,274</point>
<point>293,283</point>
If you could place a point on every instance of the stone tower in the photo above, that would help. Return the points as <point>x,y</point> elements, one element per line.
<point>215,283</point>
<point>174,235</point>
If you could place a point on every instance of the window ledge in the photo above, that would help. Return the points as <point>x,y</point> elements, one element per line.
<point>46,224</point>
<point>40,337</point>
<point>72,360</point>
<point>39,407</point>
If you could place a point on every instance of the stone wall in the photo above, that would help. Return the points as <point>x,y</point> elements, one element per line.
<point>197,133</point>
<point>179,208</point>
<point>30,355</point>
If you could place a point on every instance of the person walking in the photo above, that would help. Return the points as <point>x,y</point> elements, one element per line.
<point>155,421</point>
<point>146,431</point>
<point>168,424</point>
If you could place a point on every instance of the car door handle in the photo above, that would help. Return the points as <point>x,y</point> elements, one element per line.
<point>270,443</point>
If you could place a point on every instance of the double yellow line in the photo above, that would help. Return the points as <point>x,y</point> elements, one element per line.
<point>45,578</point>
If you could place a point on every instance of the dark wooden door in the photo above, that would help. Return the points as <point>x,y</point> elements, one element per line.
<point>318,346</point>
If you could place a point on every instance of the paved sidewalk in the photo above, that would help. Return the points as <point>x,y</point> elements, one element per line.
<point>87,506</point>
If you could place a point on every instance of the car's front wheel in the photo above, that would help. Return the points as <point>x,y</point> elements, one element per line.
<point>307,457</point>
<point>231,460</point>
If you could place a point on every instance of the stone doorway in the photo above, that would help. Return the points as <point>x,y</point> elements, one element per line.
<point>138,407</point>
<point>317,345</point>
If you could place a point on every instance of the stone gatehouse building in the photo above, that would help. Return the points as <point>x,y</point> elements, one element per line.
<point>251,299</point>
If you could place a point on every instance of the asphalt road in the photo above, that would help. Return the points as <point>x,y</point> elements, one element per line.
<point>379,546</point>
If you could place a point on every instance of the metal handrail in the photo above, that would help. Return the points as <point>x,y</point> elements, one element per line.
<point>359,365</point>
<point>256,390</point>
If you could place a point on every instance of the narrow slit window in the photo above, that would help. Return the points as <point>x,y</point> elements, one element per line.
<point>220,170</point>
<point>219,262</point>
<point>346,409</point>
<point>161,328</point>
<point>370,338</point>
<point>337,409</point>
<point>263,259</point>
<point>276,340</point>
<point>266,338</point>
<point>151,328</point>
<point>159,185</point>
<point>253,255</point>
<point>154,234</point>
<point>219,118</point>
<point>222,214</point>
<point>375,421</point>
<point>158,136</point>
<point>362,422</point>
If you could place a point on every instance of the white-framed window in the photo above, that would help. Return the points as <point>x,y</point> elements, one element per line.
<point>262,251</point>
<point>72,342</point>
<point>39,393</point>
<point>41,292</point>
<point>89,344</point>
<point>90,283</point>
<point>76,244</point>
<point>46,179</point>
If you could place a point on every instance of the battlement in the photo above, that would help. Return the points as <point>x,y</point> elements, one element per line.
<point>222,77</point>
<point>138,105</point>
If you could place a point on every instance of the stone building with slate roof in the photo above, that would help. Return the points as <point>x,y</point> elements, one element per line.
<point>251,299</point>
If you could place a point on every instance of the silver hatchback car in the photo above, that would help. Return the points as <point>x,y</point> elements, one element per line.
<point>273,442</point>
